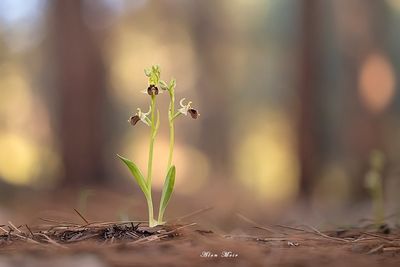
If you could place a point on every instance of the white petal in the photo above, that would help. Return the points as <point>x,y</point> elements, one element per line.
<point>181,102</point>
<point>183,110</point>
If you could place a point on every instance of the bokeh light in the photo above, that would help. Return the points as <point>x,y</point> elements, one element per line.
<point>376,82</point>
<point>264,159</point>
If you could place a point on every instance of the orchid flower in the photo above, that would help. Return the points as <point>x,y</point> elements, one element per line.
<point>140,116</point>
<point>185,109</point>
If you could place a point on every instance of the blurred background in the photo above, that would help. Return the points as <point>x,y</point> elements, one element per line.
<point>294,95</point>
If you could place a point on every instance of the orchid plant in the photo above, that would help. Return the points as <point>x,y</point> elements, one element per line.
<point>152,120</point>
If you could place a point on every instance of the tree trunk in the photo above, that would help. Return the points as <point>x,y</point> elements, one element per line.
<point>80,82</point>
<point>212,83</point>
<point>308,95</point>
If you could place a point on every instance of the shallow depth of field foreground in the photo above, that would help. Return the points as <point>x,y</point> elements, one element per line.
<point>199,133</point>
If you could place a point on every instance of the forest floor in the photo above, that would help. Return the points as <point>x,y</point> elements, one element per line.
<point>90,244</point>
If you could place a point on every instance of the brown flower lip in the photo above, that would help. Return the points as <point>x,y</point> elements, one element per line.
<point>194,113</point>
<point>152,90</point>
<point>134,119</point>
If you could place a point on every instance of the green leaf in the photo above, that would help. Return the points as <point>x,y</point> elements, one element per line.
<point>167,190</point>
<point>136,174</point>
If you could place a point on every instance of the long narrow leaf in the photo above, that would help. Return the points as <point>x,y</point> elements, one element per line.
<point>136,174</point>
<point>167,189</point>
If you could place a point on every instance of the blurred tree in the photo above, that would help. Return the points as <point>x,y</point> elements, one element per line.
<point>208,30</point>
<point>309,62</point>
<point>80,77</point>
<point>361,27</point>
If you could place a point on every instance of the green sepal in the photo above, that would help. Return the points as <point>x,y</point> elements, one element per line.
<point>164,85</point>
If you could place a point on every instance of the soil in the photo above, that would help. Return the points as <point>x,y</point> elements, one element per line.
<point>101,244</point>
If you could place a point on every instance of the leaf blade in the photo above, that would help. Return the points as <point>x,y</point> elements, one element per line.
<point>136,174</point>
<point>167,190</point>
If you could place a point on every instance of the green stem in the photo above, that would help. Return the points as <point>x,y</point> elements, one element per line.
<point>176,115</point>
<point>171,129</point>
<point>151,145</point>
<point>153,133</point>
<point>171,143</point>
<point>152,222</point>
<point>379,211</point>
<point>160,217</point>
